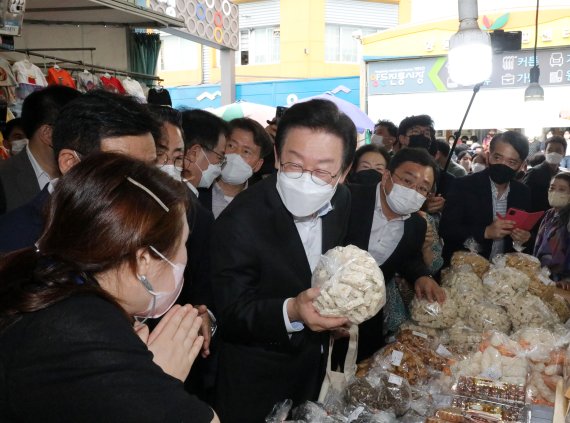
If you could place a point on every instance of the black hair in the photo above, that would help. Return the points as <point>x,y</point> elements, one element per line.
<point>411,121</point>
<point>203,128</point>
<point>323,116</point>
<point>463,154</point>
<point>10,126</point>
<point>443,147</point>
<point>464,138</point>
<point>260,136</point>
<point>86,121</point>
<point>536,159</point>
<point>414,155</point>
<point>42,107</point>
<point>515,139</point>
<point>166,114</point>
<point>389,125</point>
<point>556,139</point>
<point>369,148</point>
<point>474,138</point>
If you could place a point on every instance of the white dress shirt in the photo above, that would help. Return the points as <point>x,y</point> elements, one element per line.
<point>310,231</point>
<point>41,175</point>
<point>192,187</point>
<point>385,234</point>
<point>219,200</point>
<point>499,206</point>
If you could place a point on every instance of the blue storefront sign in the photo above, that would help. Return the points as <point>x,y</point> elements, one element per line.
<point>270,93</point>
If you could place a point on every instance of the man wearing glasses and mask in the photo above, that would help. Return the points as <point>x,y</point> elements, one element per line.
<point>265,246</point>
<point>204,144</point>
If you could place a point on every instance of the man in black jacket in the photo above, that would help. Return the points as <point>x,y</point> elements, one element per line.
<point>477,203</point>
<point>384,221</point>
<point>264,248</point>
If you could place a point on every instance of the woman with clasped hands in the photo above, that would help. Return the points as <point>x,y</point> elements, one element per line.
<point>113,249</point>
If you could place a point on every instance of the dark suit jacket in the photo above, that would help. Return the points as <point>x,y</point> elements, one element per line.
<point>258,261</point>
<point>53,360</point>
<point>23,226</point>
<point>537,180</point>
<point>18,179</point>
<point>407,259</point>
<point>469,210</point>
<point>205,197</point>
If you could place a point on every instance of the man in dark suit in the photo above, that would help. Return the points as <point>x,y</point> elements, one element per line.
<point>264,248</point>
<point>538,178</point>
<point>97,121</point>
<point>477,203</point>
<point>384,220</point>
<point>23,176</point>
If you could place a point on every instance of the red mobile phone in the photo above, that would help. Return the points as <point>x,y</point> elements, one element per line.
<point>523,220</point>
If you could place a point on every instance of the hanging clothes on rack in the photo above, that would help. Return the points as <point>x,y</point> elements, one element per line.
<point>86,81</point>
<point>134,88</point>
<point>159,96</point>
<point>28,73</point>
<point>59,76</point>
<point>112,84</point>
<point>7,78</point>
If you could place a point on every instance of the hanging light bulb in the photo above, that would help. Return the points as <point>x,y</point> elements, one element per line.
<point>470,53</point>
<point>534,92</point>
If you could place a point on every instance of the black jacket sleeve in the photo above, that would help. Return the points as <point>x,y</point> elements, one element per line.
<point>81,361</point>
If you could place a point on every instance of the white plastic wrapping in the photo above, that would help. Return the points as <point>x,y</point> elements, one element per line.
<point>435,315</point>
<point>352,284</point>
<point>505,283</point>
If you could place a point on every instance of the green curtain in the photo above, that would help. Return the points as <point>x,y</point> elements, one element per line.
<point>143,53</point>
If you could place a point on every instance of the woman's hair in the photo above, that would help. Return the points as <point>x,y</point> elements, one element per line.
<point>102,212</point>
<point>463,154</point>
<point>369,148</point>
<point>565,212</point>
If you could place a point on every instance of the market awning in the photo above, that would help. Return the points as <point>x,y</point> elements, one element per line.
<point>96,12</point>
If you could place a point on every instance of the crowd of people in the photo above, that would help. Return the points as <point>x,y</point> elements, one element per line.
<point>156,263</point>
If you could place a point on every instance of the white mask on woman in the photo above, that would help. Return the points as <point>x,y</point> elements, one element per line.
<point>301,196</point>
<point>161,301</point>
<point>403,200</point>
<point>236,171</point>
<point>558,199</point>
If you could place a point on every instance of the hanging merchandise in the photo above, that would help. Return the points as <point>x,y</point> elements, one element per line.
<point>28,73</point>
<point>110,83</point>
<point>7,78</point>
<point>58,76</point>
<point>134,88</point>
<point>159,96</point>
<point>86,81</point>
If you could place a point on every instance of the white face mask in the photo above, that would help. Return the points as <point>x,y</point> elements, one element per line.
<point>377,140</point>
<point>554,158</point>
<point>403,200</point>
<point>301,196</point>
<point>172,171</point>
<point>161,301</point>
<point>18,145</point>
<point>558,199</point>
<point>477,167</point>
<point>210,174</point>
<point>236,171</point>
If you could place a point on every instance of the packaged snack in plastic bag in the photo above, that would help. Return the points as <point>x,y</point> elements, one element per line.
<point>352,284</point>
<point>530,311</point>
<point>491,390</point>
<point>505,283</point>
<point>487,316</point>
<point>280,412</point>
<point>463,338</point>
<point>524,262</point>
<point>431,332</point>
<point>435,315</point>
<point>381,392</point>
<point>478,263</point>
<point>310,412</point>
<point>559,305</point>
<point>401,360</point>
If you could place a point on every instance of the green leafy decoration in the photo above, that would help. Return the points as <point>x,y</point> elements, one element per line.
<point>501,21</point>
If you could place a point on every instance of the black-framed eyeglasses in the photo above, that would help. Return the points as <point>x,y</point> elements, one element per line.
<point>162,159</point>
<point>408,183</point>
<point>318,176</point>
<point>221,157</point>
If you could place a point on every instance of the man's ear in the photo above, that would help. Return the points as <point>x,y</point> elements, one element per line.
<point>45,134</point>
<point>258,166</point>
<point>192,153</point>
<point>277,161</point>
<point>66,160</point>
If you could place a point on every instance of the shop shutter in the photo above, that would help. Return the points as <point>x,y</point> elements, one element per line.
<point>359,13</point>
<point>259,14</point>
